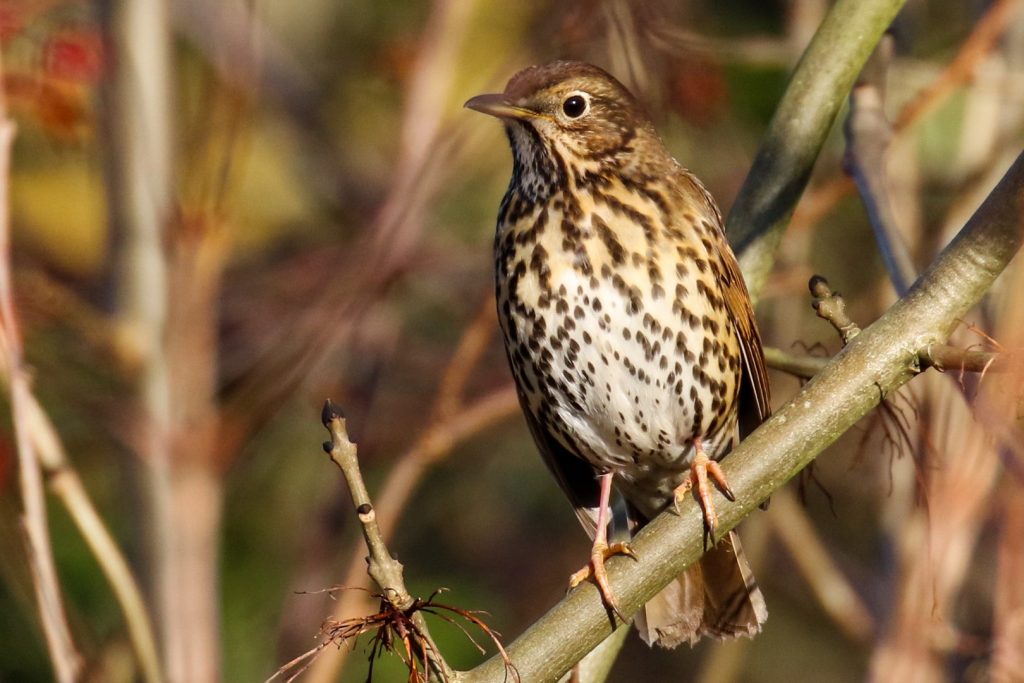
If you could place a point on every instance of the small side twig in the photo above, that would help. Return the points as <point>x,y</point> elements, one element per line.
<point>385,570</point>
<point>830,306</point>
<point>803,367</point>
<point>944,357</point>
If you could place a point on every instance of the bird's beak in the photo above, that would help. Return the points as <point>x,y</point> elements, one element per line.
<point>496,104</point>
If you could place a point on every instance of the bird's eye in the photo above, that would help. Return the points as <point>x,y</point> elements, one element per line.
<point>575,106</point>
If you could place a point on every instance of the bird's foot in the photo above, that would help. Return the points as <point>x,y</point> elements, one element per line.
<point>703,469</point>
<point>600,552</point>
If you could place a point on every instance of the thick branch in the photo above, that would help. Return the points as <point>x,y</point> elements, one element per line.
<point>799,127</point>
<point>879,360</point>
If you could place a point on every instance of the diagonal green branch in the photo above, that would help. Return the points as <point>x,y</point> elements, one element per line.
<point>815,95</point>
<point>878,361</point>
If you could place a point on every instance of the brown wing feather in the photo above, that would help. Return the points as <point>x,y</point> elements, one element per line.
<point>755,372</point>
<point>755,395</point>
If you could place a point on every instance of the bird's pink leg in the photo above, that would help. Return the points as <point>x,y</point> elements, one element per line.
<point>601,551</point>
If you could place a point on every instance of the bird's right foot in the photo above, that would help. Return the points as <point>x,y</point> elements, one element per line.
<point>600,552</point>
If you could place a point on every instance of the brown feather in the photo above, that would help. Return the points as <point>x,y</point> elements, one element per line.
<point>737,300</point>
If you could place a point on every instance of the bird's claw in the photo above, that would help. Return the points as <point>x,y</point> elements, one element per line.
<point>595,569</point>
<point>703,469</point>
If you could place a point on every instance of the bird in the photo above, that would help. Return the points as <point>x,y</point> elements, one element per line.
<point>629,331</point>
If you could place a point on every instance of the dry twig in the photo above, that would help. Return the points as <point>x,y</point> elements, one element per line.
<point>67,663</point>
<point>64,482</point>
<point>400,612</point>
<point>830,306</point>
<point>454,420</point>
<point>398,624</point>
<point>392,626</point>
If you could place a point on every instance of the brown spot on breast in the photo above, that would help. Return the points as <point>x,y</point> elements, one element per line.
<point>581,260</point>
<point>539,264</point>
<point>615,250</point>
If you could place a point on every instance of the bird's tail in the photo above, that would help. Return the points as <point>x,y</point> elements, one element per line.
<point>716,597</point>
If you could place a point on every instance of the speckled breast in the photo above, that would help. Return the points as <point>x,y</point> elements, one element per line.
<point>615,334</point>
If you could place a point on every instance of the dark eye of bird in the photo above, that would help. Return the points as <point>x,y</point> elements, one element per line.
<point>574,106</point>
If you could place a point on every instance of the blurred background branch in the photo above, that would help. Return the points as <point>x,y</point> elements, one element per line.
<point>166,323</point>
<point>780,171</point>
<point>66,662</point>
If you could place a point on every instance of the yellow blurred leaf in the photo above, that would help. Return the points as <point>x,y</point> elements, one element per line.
<point>61,211</point>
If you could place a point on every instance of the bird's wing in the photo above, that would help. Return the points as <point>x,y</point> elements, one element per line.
<point>577,478</point>
<point>754,392</point>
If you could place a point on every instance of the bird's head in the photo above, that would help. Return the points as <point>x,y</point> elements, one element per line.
<point>571,112</point>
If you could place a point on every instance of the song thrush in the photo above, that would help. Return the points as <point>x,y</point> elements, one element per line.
<point>628,328</point>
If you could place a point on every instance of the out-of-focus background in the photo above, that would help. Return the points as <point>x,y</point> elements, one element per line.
<point>295,205</point>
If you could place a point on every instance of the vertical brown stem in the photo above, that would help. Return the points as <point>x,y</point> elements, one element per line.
<point>65,659</point>
<point>169,281</point>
